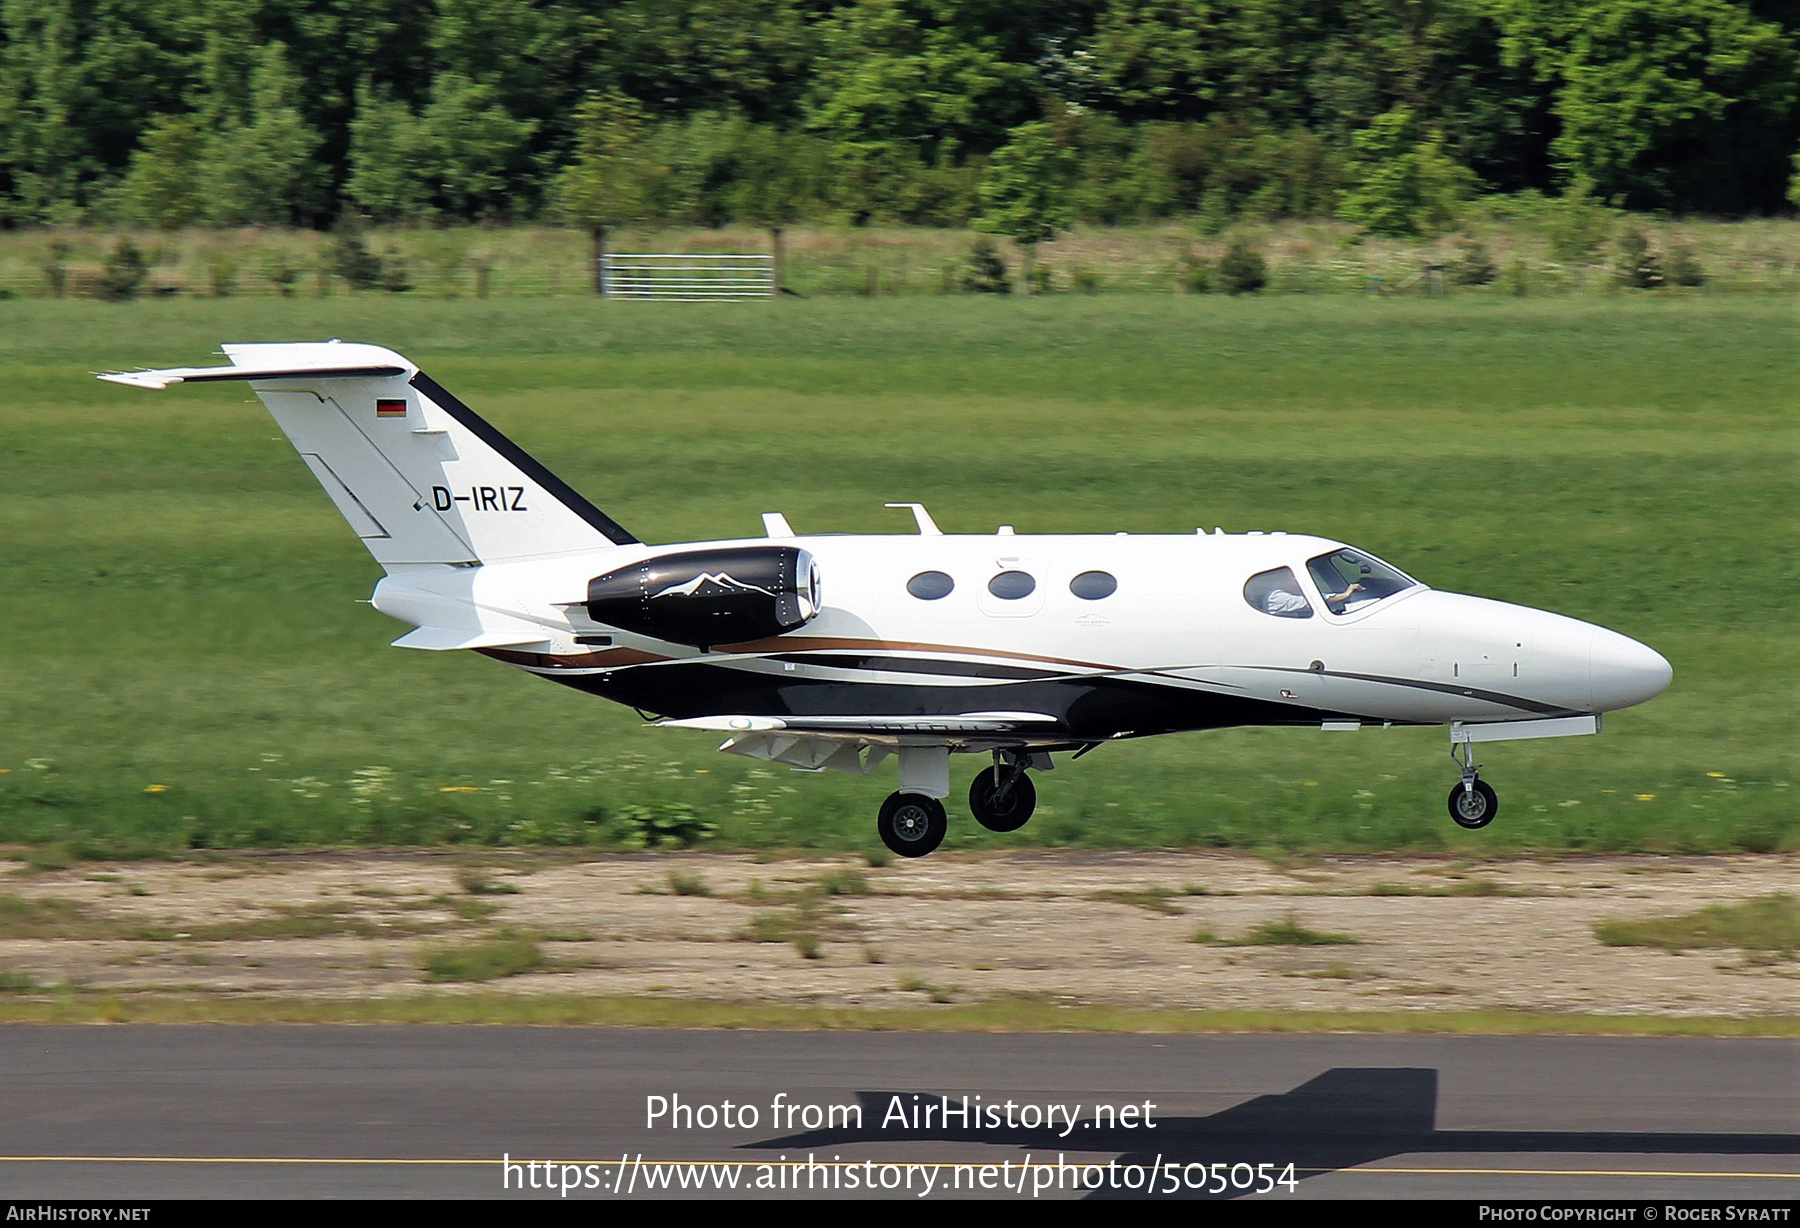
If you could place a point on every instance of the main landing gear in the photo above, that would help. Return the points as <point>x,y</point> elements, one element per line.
<point>912,824</point>
<point>1001,798</point>
<point>1473,803</point>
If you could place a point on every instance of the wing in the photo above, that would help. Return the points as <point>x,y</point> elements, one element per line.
<point>837,743</point>
<point>871,726</point>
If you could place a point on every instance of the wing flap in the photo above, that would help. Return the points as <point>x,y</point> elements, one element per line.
<point>863,726</point>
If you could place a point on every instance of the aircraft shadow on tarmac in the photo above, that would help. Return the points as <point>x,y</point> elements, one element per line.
<point>1342,1118</point>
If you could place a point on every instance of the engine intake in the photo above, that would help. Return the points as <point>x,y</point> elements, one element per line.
<point>707,597</point>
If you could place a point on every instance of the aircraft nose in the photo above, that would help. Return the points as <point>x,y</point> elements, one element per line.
<point>1623,672</point>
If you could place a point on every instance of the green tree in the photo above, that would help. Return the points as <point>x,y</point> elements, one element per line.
<point>80,80</point>
<point>390,158</point>
<point>1025,191</point>
<point>1193,59</point>
<point>1443,59</point>
<point>611,179</point>
<point>333,46</point>
<point>1242,269</point>
<point>40,98</point>
<point>476,153</point>
<point>262,169</point>
<point>1156,58</point>
<point>1578,223</point>
<point>464,156</point>
<point>509,46</point>
<point>1401,180</point>
<point>161,188</point>
<point>780,176</point>
<point>929,80</point>
<point>698,157</point>
<point>755,58</point>
<point>985,272</point>
<point>124,272</point>
<point>1662,102</point>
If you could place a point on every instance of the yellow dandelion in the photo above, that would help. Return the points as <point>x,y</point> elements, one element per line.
<point>459,789</point>
<point>156,788</point>
<point>1717,775</point>
<point>1311,784</point>
<point>1646,797</point>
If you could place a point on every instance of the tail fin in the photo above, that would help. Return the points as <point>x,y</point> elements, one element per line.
<point>419,475</point>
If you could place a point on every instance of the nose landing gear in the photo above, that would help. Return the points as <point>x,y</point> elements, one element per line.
<point>1473,802</point>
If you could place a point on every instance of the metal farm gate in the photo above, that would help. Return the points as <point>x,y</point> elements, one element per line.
<point>687,278</point>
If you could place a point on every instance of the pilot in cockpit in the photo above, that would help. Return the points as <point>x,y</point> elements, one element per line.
<point>1335,601</point>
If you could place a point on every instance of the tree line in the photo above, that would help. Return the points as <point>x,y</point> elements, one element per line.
<point>1017,115</point>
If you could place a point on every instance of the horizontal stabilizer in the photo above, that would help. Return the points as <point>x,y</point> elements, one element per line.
<point>322,360</point>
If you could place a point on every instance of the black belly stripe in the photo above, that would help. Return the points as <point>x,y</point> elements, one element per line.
<point>1086,709</point>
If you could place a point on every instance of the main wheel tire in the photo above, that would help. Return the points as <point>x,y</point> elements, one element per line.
<point>996,813</point>
<point>912,824</point>
<point>1474,808</point>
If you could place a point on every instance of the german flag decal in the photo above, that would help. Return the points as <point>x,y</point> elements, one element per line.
<point>385,408</point>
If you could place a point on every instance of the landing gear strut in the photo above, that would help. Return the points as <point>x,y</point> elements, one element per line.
<point>1002,797</point>
<point>1473,802</point>
<point>912,824</point>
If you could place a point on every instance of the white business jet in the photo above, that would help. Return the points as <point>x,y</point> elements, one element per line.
<point>839,652</point>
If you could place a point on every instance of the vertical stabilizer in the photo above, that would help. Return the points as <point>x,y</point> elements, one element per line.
<point>418,475</point>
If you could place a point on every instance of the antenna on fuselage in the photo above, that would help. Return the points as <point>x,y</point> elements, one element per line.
<point>927,526</point>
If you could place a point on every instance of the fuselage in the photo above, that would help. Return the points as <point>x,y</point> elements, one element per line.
<point>836,653</point>
<point>1111,635</point>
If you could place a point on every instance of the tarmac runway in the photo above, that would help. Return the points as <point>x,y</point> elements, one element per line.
<point>463,1112</point>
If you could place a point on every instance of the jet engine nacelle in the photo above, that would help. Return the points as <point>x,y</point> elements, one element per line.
<point>707,597</point>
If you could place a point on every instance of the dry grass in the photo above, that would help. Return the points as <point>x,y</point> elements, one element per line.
<point>538,261</point>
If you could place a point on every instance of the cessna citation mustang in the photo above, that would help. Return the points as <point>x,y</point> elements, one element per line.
<point>840,652</point>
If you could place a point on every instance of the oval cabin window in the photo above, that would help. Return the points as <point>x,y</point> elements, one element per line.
<point>1094,585</point>
<point>930,585</point>
<point>1012,585</point>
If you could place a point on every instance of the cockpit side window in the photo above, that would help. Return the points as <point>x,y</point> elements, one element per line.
<point>1277,592</point>
<point>1349,579</point>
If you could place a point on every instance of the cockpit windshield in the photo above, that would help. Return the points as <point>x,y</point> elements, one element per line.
<point>1351,580</point>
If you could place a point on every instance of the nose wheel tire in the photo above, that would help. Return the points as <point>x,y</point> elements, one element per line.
<point>1474,807</point>
<point>912,824</point>
<point>1002,809</point>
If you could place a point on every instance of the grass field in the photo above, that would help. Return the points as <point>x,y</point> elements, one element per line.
<point>184,662</point>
